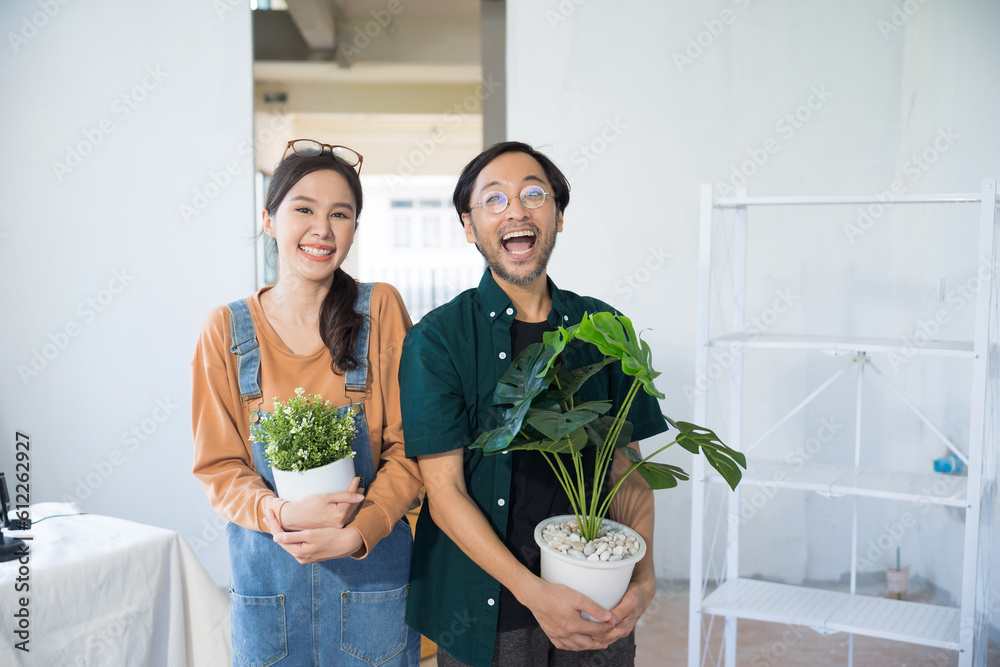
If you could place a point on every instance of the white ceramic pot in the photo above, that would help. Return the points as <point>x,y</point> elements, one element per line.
<point>296,485</point>
<point>602,581</point>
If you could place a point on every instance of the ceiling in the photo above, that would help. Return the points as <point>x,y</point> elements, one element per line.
<point>369,41</point>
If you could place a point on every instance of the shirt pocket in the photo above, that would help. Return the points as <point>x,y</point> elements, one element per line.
<point>258,628</point>
<point>373,624</point>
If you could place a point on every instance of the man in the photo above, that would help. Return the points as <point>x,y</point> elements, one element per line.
<point>474,585</point>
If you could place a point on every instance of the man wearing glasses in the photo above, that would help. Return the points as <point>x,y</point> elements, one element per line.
<point>474,585</point>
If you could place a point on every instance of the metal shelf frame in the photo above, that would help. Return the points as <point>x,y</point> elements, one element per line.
<point>963,628</point>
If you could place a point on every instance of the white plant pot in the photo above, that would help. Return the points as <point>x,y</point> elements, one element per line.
<point>601,581</point>
<point>331,478</point>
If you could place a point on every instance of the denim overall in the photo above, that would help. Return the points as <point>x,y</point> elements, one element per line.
<point>337,612</point>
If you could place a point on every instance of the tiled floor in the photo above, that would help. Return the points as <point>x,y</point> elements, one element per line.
<point>662,642</point>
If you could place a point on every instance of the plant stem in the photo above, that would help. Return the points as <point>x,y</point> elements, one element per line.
<point>635,466</point>
<point>564,480</point>
<point>605,456</point>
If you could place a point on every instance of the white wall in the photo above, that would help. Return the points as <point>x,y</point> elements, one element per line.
<point>108,276</point>
<point>642,103</point>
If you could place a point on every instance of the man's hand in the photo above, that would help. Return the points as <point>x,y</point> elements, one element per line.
<point>633,604</point>
<point>323,510</point>
<point>315,544</point>
<point>557,609</point>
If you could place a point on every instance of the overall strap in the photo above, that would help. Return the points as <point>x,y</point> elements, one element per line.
<point>357,380</point>
<point>246,349</point>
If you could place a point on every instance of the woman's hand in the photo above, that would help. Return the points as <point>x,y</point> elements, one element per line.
<point>323,510</point>
<point>315,544</point>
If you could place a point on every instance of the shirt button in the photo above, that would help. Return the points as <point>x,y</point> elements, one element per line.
<point>500,502</point>
<point>503,355</point>
<point>510,311</point>
<point>566,318</point>
<point>491,602</point>
<point>493,313</point>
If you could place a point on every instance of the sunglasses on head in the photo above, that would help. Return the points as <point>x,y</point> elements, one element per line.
<point>313,148</point>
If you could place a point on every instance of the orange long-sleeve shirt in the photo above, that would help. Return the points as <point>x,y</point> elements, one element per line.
<point>223,459</point>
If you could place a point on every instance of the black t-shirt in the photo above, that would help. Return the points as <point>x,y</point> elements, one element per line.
<point>535,495</point>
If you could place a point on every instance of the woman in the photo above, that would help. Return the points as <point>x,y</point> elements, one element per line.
<point>327,586</point>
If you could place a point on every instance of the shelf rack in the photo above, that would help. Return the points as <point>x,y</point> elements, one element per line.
<point>962,628</point>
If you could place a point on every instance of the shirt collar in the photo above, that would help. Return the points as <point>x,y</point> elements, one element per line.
<point>495,301</point>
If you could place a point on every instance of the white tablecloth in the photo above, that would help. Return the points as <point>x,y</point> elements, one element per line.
<point>106,591</point>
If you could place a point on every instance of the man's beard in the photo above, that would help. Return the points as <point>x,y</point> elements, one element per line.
<point>494,256</point>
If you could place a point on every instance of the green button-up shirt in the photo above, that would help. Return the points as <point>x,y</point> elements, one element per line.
<point>450,365</point>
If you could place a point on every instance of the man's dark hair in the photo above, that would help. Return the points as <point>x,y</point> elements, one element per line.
<point>463,189</point>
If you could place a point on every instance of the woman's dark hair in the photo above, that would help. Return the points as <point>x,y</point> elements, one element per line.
<point>463,189</point>
<point>339,324</point>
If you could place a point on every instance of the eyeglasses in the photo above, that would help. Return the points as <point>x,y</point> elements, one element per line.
<point>495,201</point>
<point>312,148</point>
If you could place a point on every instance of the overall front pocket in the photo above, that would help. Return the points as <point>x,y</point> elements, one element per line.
<point>258,628</point>
<point>373,628</point>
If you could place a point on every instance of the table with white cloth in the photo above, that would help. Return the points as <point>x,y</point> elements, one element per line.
<point>106,591</point>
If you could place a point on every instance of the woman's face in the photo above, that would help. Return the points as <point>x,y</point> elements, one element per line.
<point>314,227</point>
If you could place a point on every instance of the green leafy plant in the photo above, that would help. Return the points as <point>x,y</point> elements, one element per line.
<point>544,415</point>
<point>304,433</point>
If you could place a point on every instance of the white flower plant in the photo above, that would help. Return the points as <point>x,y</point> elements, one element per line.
<point>304,433</point>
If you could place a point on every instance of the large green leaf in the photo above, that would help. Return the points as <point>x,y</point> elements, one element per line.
<point>657,475</point>
<point>598,429</point>
<point>520,381</point>
<point>614,336</point>
<point>518,387</point>
<point>570,381</point>
<point>495,440</point>
<point>555,424</point>
<point>572,443</point>
<point>725,460</point>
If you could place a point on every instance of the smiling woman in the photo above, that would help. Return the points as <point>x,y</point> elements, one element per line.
<point>348,553</point>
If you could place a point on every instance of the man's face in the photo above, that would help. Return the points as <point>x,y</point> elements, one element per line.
<point>518,241</point>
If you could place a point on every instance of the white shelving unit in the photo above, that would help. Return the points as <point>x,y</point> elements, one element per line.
<point>963,628</point>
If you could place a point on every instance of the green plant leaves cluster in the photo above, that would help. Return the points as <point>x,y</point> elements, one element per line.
<point>542,415</point>
<point>304,433</point>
